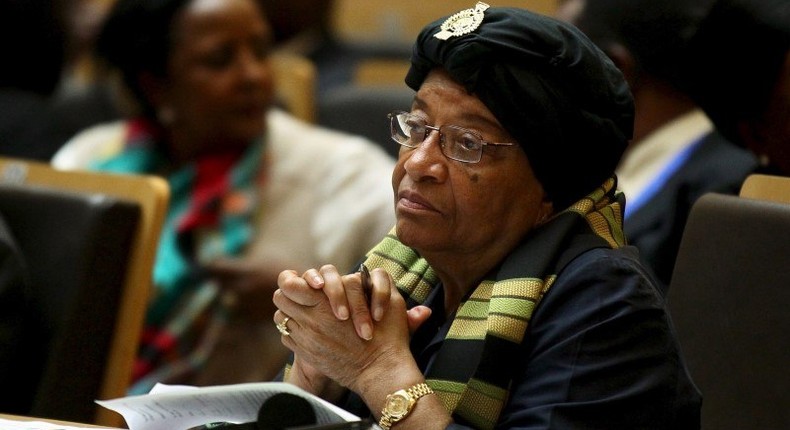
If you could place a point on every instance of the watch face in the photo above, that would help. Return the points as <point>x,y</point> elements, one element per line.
<point>397,405</point>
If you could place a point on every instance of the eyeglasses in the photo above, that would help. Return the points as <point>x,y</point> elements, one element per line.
<point>456,142</point>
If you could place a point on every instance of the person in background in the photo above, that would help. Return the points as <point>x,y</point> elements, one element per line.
<point>739,73</point>
<point>32,39</point>
<point>675,156</point>
<point>253,190</point>
<point>84,96</point>
<point>45,95</point>
<point>526,309</point>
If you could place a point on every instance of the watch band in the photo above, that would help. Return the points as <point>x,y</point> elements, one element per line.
<point>419,390</point>
<point>413,393</point>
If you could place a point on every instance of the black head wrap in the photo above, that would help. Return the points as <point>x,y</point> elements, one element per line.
<point>560,97</point>
<point>735,60</point>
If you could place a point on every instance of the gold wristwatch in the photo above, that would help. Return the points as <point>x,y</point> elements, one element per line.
<point>400,403</point>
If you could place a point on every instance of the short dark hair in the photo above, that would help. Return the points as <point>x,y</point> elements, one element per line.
<point>735,60</point>
<point>656,32</point>
<point>136,38</point>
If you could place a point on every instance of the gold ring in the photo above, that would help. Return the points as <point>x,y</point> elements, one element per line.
<point>282,328</point>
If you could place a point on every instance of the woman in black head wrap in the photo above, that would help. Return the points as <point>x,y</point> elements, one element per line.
<point>505,296</point>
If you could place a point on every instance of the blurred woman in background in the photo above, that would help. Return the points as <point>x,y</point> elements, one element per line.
<point>253,189</point>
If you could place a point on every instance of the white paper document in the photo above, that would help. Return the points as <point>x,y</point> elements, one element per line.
<point>180,407</point>
<point>9,424</point>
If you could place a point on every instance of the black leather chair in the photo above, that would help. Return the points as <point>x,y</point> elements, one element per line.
<point>88,241</point>
<point>729,298</point>
<point>75,248</point>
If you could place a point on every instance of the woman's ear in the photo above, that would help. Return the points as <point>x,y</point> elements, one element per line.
<point>753,137</point>
<point>154,89</point>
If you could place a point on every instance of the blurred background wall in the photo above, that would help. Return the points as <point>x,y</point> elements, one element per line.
<point>401,20</point>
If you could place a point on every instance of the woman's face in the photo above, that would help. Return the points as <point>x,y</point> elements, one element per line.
<point>447,206</point>
<point>219,81</point>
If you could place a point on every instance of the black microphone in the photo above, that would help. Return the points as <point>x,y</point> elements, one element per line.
<point>279,412</point>
<point>289,411</point>
<point>285,410</point>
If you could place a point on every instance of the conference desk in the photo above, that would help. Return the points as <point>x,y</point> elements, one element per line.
<point>18,422</point>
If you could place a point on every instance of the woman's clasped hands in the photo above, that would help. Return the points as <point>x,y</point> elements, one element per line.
<point>345,334</point>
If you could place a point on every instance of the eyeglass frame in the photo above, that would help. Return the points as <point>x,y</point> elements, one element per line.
<point>393,117</point>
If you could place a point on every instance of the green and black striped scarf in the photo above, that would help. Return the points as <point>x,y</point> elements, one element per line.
<point>489,326</point>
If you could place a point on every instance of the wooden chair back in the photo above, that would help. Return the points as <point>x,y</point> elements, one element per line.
<point>766,187</point>
<point>295,85</point>
<point>149,196</point>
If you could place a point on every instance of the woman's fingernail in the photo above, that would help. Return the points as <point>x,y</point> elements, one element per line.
<point>378,313</point>
<point>342,312</point>
<point>367,331</point>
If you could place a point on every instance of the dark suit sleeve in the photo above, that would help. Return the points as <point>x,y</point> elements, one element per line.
<point>600,353</point>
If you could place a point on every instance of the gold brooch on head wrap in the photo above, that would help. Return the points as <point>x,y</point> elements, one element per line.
<point>463,22</point>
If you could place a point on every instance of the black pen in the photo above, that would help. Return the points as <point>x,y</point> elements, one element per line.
<point>367,287</point>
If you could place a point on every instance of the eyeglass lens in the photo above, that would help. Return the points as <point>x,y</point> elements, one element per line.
<point>456,142</point>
